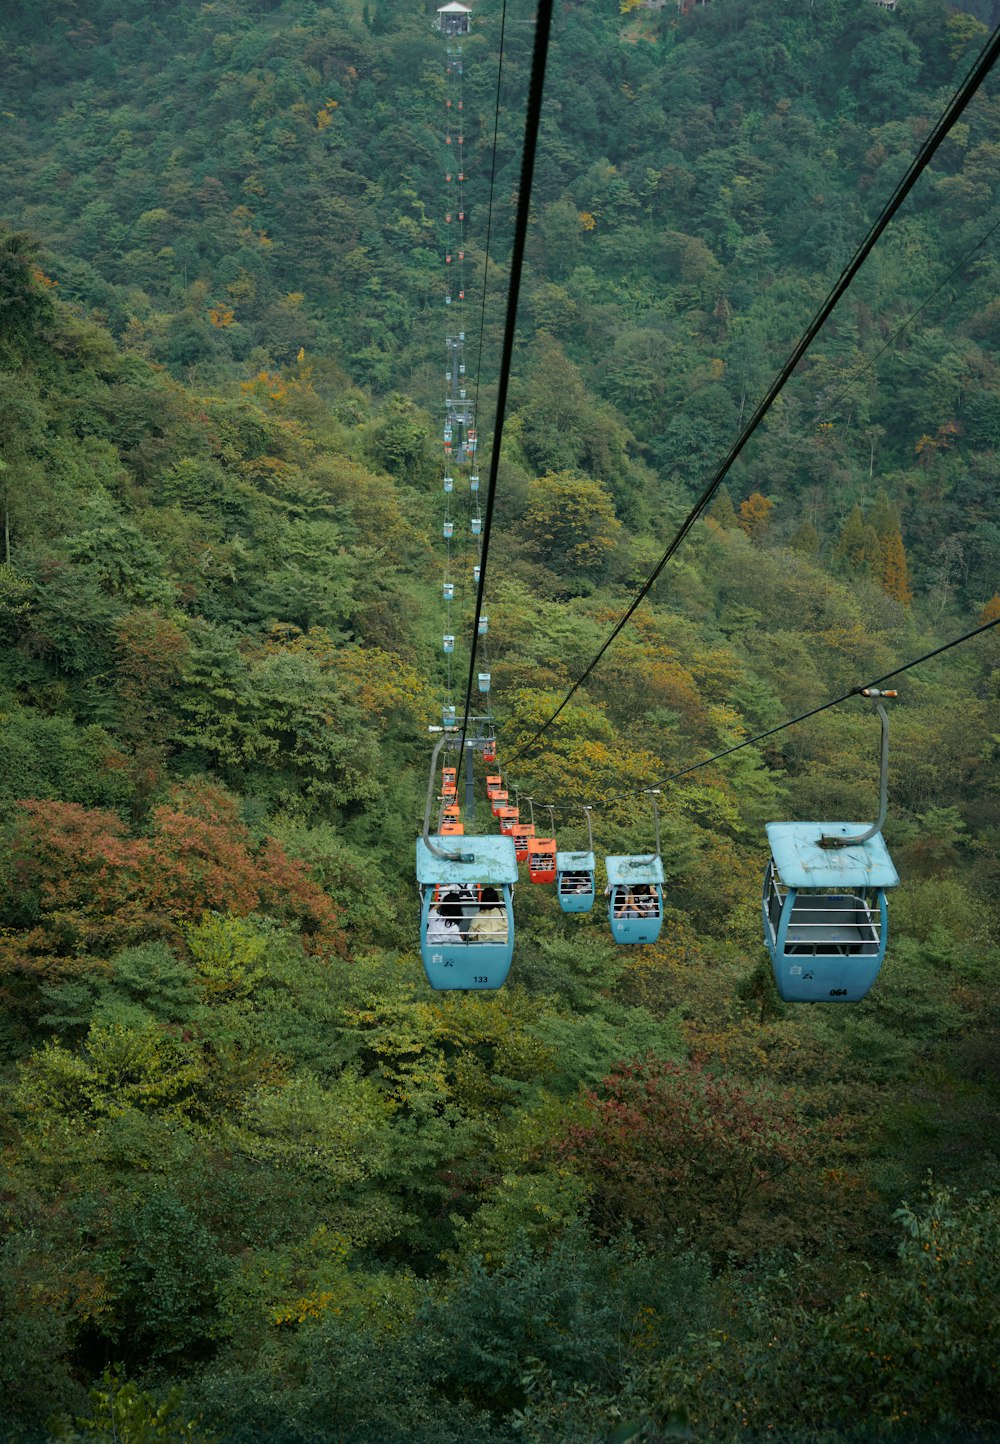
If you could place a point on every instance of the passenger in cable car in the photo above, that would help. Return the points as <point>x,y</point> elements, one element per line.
<point>646,901</point>
<point>443,921</point>
<point>576,882</point>
<point>490,926</point>
<point>625,904</point>
<point>468,905</point>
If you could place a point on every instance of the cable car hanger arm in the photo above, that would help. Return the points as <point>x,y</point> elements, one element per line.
<point>832,840</point>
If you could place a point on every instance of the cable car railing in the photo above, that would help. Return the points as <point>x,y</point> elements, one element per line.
<point>824,923</point>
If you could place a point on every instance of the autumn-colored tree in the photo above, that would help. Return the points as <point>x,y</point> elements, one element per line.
<point>79,885</point>
<point>893,573</point>
<point>670,1146</point>
<point>755,515</point>
<point>890,567</point>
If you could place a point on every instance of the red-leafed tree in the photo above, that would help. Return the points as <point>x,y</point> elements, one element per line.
<point>670,1146</point>
<point>78,886</point>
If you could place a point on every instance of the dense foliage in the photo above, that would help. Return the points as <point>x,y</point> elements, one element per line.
<point>257,1180</point>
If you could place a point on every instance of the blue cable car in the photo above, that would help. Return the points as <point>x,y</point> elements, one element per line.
<point>635,890</point>
<point>575,886</point>
<point>826,923</point>
<point>449,483</point>
<point>448,642</point>
<point>448,591</point>
<point>484,626</point>
<point>825,916</point>
<point>635,898</point>
<point>576,872</point>
<point>466,939</point>
<point>473,483</point>
<point>484,681</point>
<point>477,525</point>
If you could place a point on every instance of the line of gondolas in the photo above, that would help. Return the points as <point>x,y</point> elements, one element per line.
<point>824,911</point>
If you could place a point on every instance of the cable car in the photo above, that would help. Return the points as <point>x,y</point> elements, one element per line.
<point>490,750</point>
<point>575,885</point>
<point>448,642</point>
<point>484,626</point>
<point>494,783</point>
<point>542,859</point>
<point>448,591</point>
<point>466,938</point>
<point>635,903</point>
<point>522,835</point>
<point>449,781</point>
<point>484,681</point>
<point>452,813</point>
<point>452,829</point>
<point>826,923</point>
<point>449,483</point>
<point>576,876</point>
<point>477,525</point>
<point>475,573</point>
<point>448,717</point>
<point>473,483</point>
<point>447,528</point>
<point>498,799</point>
<point>507,816</point>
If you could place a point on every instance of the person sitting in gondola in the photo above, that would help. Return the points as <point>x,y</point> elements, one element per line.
<point>444,921</point>
<point>646,902</point>
<point>626,905</point>
<point>491,924</point>
<point>468,906</point>
<point>576,882</point>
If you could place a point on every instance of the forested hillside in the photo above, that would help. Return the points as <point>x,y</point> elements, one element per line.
<point>258,1181</point>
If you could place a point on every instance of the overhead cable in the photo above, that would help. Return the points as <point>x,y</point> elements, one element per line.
<point>783,726</point>
<point>482,307</point>
<point>543,24</point>
<point>938,134</point>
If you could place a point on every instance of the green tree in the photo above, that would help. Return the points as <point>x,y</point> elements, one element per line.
<point>570,524</point>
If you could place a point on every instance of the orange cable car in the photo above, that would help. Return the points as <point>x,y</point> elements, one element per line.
<point>452,829</point>
<point>449,781</point>
<point>522,835</point>
<point>508,818</point>
<point>494,783</point>
<point>497,800</point>
<point>452,813</point>
<point>542,859</point>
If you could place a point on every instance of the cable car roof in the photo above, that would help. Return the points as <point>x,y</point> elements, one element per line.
<point>624,870</point>
<point>801,862</point>
<point>575,861</point>
<point>481,859</point>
